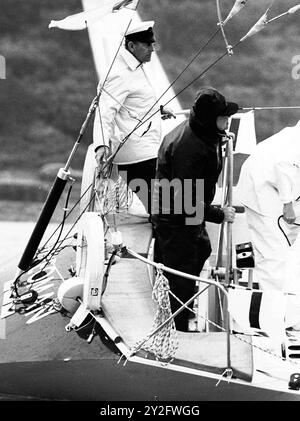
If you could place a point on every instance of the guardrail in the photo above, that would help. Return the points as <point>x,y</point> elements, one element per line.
<point>194,278</point>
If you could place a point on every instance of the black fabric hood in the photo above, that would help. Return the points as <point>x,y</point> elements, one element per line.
<point>208,105</point>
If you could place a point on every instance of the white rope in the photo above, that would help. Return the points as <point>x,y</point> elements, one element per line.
<point>164,343</point>
<point>112,196</point>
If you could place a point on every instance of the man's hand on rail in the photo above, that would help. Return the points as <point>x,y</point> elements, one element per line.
<point>229,213</point>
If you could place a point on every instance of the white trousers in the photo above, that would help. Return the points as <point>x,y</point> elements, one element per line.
<point>277,265</point>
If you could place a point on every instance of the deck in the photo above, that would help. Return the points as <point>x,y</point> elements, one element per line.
<point>65,367</point>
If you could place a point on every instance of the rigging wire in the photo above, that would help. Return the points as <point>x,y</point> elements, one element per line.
<point>109,161</point>
<point>65,215</point>
<point>123,141</point>
<point>111,66</point>
<point>174,81</point>
<point>220,28</point>
<point>68,215</point>
<point>48,254</point>
<point>184,69</point>
<point>201,49</point>
<point>183,89</point>
<point>54,249</point>
<point>14,287</point>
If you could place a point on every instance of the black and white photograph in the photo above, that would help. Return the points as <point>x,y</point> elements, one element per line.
<point>149,204</point>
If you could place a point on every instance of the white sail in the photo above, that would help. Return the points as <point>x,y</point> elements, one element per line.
<point>245,140</point>
<point>85,19</point>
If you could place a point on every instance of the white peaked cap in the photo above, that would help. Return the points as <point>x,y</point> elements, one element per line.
<point>140,27</point>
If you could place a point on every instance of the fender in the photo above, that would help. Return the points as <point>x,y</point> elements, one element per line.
<point>90,259</point>
<point>88,282</point>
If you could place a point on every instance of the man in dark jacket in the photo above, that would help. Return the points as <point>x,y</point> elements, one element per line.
<point>182,201</point>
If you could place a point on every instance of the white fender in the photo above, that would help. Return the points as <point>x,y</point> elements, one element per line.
<point>90,259</point>
<point>68,292</point>
<point>87,284</point>
<point>87,182</point>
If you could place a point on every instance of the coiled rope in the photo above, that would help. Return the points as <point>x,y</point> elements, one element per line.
<point>164,342</point>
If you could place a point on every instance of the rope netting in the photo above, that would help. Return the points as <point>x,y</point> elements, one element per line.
<point>162,342</point>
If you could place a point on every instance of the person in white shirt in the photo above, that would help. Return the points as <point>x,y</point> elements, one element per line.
<point>269,186</point>
<point>126,101</point>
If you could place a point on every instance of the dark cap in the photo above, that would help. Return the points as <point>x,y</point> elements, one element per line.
<point>210,103</point>
<point>142,32</point>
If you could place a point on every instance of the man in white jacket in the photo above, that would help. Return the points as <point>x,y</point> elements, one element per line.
<point>127,99</point>
<point>269,187</point>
